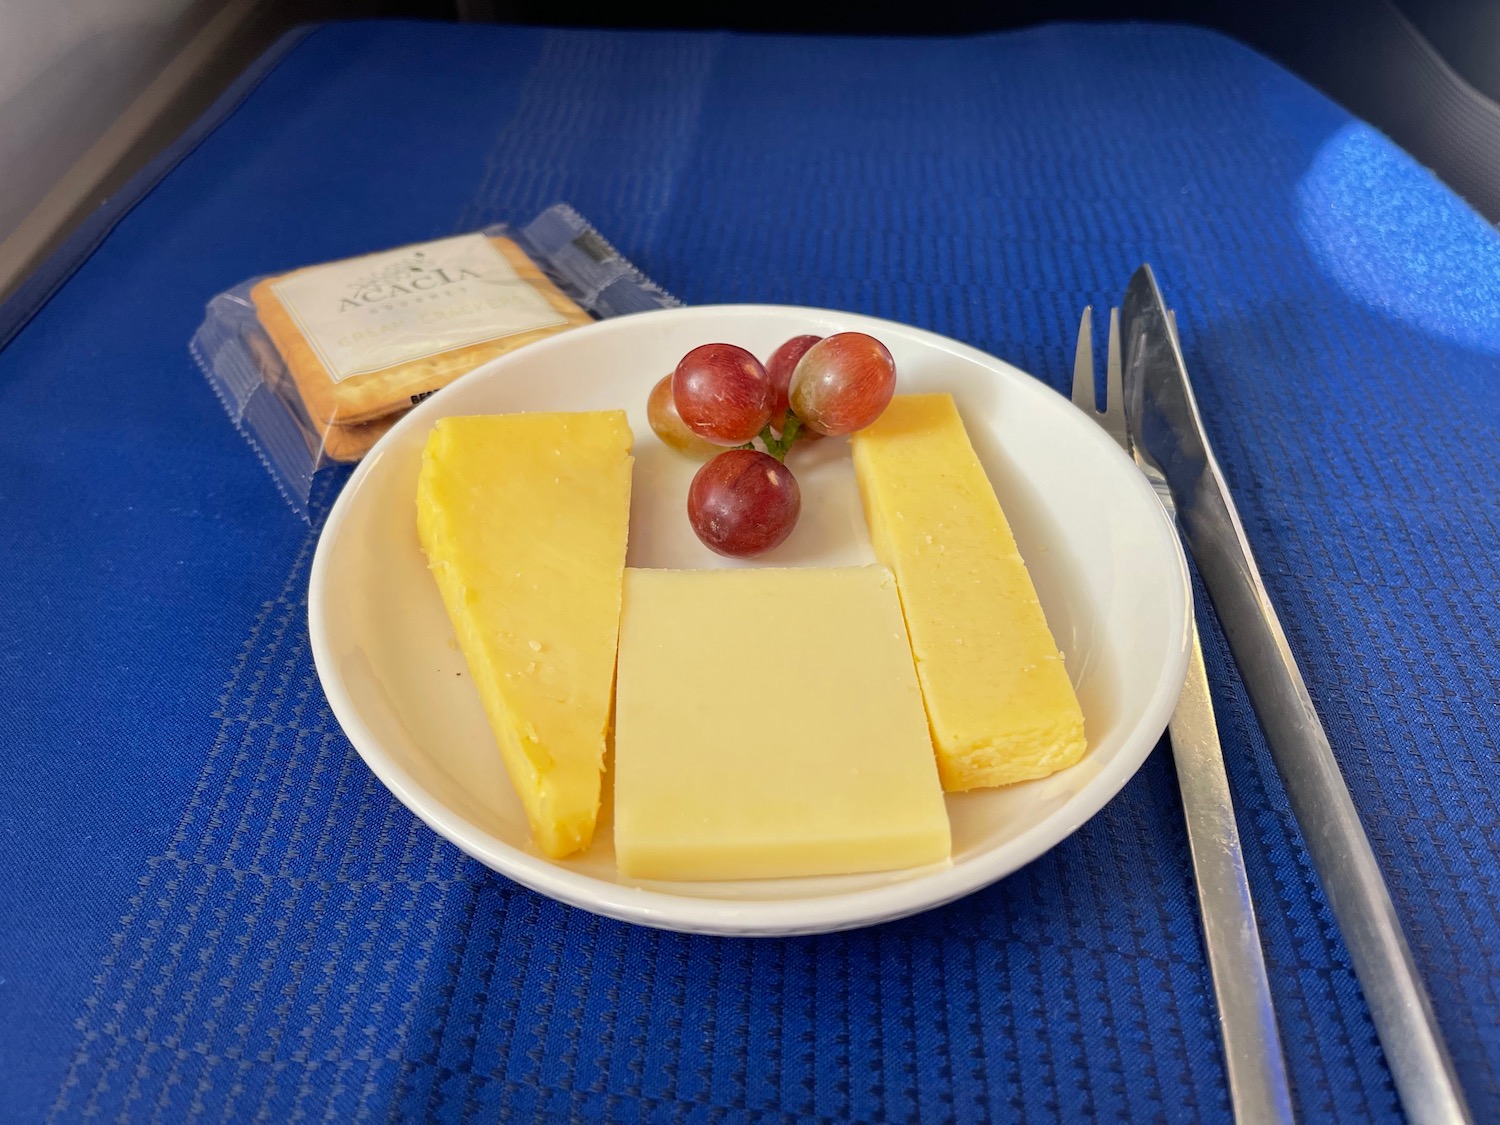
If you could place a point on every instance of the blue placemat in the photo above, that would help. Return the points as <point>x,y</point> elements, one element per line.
<point>210,910</point>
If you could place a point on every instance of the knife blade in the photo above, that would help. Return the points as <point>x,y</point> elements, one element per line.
<point>1164,423</point>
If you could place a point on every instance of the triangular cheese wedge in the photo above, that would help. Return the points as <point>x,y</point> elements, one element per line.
<point>524,520</point>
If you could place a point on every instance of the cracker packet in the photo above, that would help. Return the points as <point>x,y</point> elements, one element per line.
<point>314,364</point>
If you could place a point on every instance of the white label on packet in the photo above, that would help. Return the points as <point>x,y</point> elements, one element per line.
<point>369,313</point>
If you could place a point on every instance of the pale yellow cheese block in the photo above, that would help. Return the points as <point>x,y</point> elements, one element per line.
<point>524,520</point>
<point>768,723</point>
<point>998,697</point>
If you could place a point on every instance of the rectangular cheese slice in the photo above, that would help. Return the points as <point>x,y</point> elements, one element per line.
<point>768,723</point>
<point>998,697</point>
<point>524,520</point>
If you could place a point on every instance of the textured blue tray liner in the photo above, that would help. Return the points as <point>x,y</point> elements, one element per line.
<point>209,909</point>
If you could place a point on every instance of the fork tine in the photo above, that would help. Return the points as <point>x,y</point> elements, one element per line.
<point>1114,390</point>
<point>1083,362</point>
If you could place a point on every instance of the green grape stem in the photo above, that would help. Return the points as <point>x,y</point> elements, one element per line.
<point>778,447</point>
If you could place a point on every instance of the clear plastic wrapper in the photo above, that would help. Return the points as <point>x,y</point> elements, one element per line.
<point>315,364</point>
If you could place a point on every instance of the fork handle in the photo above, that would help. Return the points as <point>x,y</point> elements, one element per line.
<point>1258,1090</point>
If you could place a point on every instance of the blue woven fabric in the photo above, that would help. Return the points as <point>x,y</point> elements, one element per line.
<point>210,910</point>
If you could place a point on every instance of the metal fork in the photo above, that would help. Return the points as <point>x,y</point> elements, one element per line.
<point>1258,1090</point>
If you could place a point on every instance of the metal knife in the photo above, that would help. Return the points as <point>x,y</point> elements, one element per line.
<point>1164,424</point>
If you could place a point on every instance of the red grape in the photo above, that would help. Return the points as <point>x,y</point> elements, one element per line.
<point>843,383</point>
<point>722,393</point>
<point>743,503</point>
<point>661,412</point>
<point>779,369</point>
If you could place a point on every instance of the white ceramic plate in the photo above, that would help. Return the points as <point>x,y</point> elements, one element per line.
<point>1107,566</point>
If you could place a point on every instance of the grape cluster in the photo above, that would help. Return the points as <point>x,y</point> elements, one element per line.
<point>745,501</point>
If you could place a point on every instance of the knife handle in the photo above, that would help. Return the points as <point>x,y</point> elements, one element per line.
<point>1258,1090</point>
<point>1167,429</point>
<point>1335,839</point>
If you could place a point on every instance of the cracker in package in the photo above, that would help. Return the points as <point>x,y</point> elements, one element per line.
<point>315,364</point>
<point>367,337</point>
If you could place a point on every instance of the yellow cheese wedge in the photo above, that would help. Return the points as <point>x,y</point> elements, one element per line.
<point>524,520</point>
<point>998,697</point>
<point>768,723</point>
